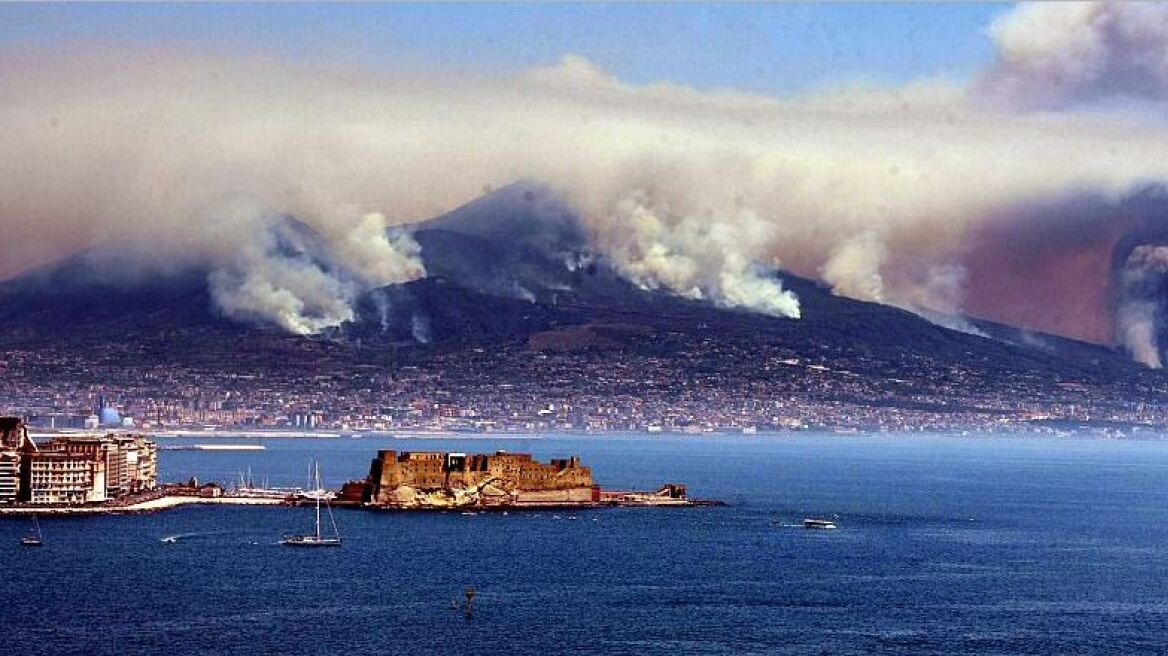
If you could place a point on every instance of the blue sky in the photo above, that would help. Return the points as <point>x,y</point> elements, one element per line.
<point>766,48</point>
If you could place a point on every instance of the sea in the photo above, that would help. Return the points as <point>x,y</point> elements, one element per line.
<point>945,545</point>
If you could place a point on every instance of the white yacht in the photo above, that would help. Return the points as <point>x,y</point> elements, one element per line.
<point>316,539</point>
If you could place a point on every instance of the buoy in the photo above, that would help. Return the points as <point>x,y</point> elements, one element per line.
<point>469,592</point>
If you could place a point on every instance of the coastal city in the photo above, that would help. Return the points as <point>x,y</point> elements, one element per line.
<point>118,472</point>
<point>703,385</point>
<point>74,469</point>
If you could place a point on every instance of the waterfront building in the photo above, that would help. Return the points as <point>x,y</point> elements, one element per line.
<point>60,477</point>
<point>14,443</point>
<point>73,469</point>
<point>128,462</point>
<point>9,475</point>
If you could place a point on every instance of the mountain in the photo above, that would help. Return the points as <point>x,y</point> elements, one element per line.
<point>520,325</point>
<point>511,265</point>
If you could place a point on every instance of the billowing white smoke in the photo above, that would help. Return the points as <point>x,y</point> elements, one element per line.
<point>1058,54</point>
<point>696,257</point>
<point>853,268</point>
<point>284,273</point>
<point>939,296</point>
<point>295,294</point>
<point>698,192</point>
<point>379,257</point>
<point>1141,303</point>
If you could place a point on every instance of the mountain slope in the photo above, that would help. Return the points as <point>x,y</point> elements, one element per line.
<point>505,267</point>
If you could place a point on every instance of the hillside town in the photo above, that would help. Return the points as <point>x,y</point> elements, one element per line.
<point>703,385</point>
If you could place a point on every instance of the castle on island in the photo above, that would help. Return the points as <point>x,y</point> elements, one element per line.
<point>437,480</point>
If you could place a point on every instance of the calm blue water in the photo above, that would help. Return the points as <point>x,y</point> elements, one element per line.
<point>945,546</point>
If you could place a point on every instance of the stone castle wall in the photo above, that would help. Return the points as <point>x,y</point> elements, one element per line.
<point>455,479</point>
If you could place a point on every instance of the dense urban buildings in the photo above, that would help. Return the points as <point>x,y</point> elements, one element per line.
<point>703,382</point>
<point>73,469</point>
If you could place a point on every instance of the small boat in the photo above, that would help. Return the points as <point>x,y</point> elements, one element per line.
<point>34,539</point>
<point>316,539</point>
<point>823,524</point>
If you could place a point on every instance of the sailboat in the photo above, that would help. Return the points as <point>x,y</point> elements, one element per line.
<point>316,539</point>
<point>35,539</point>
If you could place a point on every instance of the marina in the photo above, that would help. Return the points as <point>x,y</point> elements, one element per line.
<point>405,481</point>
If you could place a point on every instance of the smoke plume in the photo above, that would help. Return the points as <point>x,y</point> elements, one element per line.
<point>939,196</point>
<point>1141,304</point>
<point>853,267</point>
<point>702,258</point>
<point>1055,55</point>
<point>287,274</point>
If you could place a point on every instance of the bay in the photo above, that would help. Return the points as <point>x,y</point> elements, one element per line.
<point>945,545</point>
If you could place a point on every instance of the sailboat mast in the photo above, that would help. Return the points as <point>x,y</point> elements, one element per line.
<point>318,494</point>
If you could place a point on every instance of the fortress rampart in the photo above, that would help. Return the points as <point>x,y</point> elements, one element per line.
<point>422,479</point>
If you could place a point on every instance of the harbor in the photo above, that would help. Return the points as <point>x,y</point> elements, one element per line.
<point>552,581</point>
<point>117,473</point>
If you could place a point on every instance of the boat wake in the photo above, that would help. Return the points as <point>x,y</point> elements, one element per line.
<point>171,539</point>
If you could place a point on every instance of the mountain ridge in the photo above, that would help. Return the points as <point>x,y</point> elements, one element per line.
<point>500,268</point>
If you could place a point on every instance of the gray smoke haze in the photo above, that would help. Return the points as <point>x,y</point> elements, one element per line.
<point>853,267</point>
<point>1141,303</point>
<point>1058,54</point>
<point>284,273</point>
<point>880,191</point>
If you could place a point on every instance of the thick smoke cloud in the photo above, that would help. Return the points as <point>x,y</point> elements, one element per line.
<point>853,267</point>
<point>287,274</point>
<point>1141,305</point>
<point>916,196</point>
<point>699,257</point>
<point>1055,55</point>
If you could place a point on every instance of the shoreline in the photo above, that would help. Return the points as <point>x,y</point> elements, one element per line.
<point>1139,434</point>
<point>165,503</point>
<point>150,506</point>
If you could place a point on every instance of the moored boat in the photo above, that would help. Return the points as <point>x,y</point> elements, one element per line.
<point>34,539</point>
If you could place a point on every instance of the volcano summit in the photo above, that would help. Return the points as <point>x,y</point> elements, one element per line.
<point>520,323</point>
